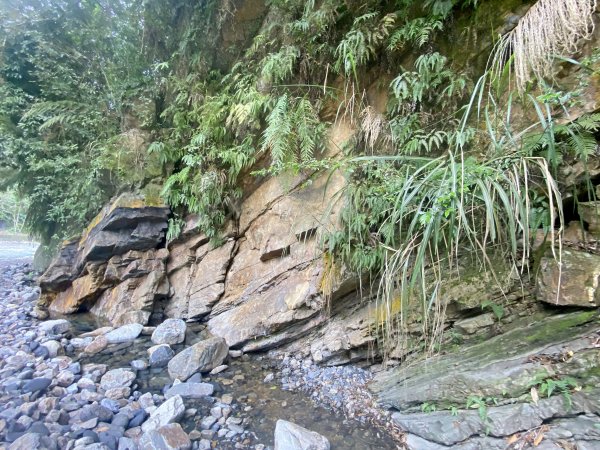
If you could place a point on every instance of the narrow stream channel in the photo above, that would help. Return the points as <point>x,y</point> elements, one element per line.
<point>260,404</point>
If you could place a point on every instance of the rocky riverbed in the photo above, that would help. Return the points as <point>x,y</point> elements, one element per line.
<point>75,384</point>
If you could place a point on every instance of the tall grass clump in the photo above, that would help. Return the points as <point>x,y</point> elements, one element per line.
<point>448,208</point>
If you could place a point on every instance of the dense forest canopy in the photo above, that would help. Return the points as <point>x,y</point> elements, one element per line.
<point>186,99</point>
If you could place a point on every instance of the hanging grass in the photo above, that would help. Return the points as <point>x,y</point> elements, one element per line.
<point>447,208</point>
<point>550,29</point>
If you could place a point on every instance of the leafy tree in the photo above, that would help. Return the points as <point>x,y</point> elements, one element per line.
<point>70,75</point>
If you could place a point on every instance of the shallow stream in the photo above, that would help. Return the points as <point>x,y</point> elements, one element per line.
<point>259,404</point>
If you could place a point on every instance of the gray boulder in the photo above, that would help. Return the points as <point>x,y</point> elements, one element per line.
<point>201,357</point>
<point>170,411</point>
<point>171,331</point>
<point>160,355</point>
<point>191,390</point>
<point>126,333</point>
<point>58,326</point>
<point>117,378</point>
<point>54,348</point>
<point>28,441</point>
<point>289,436</point>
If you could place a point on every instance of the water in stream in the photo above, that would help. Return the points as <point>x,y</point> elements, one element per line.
<point>16,249</point>
<point>259,404</point>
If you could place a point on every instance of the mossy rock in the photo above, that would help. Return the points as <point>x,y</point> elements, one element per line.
<point>502,367</point>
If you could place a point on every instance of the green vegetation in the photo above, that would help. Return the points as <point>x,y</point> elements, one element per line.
<point>12,212</point>
<point>554,385</point>
<point>102,97</point>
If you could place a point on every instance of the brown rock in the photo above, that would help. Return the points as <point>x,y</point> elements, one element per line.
<point>84,289</point>
<point>277,283</point>
<point>198,288</point>
<point>577,284</point>
<point>62,270</point>
<point>132,300</point>
<point>98,344</point>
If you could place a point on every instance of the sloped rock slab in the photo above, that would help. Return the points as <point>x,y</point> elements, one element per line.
<point>499,367</point>
<point>190,390</point>
<point>170,411</point>
<point>168,437</point>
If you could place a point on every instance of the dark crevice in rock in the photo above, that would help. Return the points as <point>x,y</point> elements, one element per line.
<point>276,253</point>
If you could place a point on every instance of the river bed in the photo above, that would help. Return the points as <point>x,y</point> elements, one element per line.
<point>258,403</point>
<point>258,398</point>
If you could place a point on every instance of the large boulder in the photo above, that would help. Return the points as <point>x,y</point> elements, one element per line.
<point>289,436</point>
<point>58,326</point>
<point>190,390</point>
<point>575,282</point>
<point>118,245</point>
<point>171,331</point>
<point>62,271</point>
<point>127,223</point>
<point>125,333</point>
<point>201,357</point>
<point>117,378</point>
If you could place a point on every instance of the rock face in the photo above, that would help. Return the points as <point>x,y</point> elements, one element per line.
<point>264,287</point>
<point>113,269</point>
<point>449,430</point>
<point>289,436</point>
<point>201,357</point>
<point>274,286</point>
<point>502,366</point>
<point>579,280</point>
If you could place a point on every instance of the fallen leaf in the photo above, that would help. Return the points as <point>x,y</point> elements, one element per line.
<point>511,440</point>
<point>538,439</point>
<point>534,395</point>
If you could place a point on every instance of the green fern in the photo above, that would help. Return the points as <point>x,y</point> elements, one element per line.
<point>361,43</point>
<point>293,133</point>
<point>277,67</point>
<point>416,32</point>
